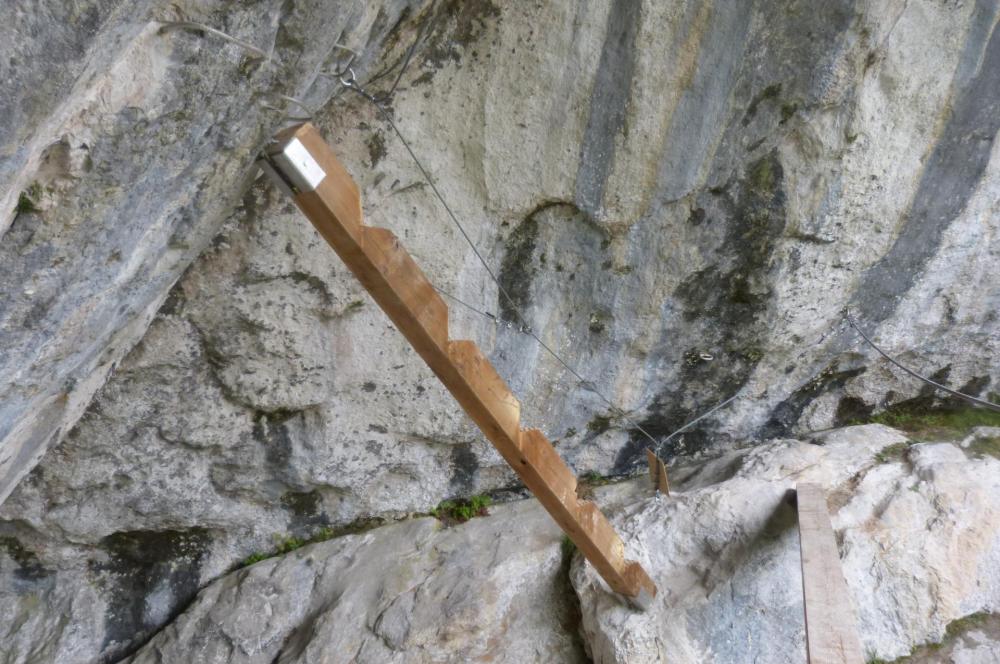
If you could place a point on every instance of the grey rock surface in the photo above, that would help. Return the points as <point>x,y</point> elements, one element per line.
<point>918,526</point>
<point>494,589</point>
<point>682,197</point>
<point>123,147</point>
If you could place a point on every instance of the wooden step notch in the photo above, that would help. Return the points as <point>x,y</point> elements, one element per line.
<point>304,165</point>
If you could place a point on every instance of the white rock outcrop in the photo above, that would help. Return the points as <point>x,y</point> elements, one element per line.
<point>918,528</point>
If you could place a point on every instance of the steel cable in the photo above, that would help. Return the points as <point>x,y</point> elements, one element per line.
<point>971,399</point>
<point>347,78</point>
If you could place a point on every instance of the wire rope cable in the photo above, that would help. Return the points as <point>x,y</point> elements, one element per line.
<point>347,78</point>
<point>971,399</point>
<point>350,82</point>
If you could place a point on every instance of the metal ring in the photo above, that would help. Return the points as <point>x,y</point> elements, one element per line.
<point>350,81</point>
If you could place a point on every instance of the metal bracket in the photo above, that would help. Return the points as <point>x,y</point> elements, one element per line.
<point>293,167</point>
<point>275,176</point>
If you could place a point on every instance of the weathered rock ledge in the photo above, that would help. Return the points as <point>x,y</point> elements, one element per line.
<point>918,526</point>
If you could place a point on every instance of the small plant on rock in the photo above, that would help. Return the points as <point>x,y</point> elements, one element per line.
<point>460,511</point>
<point>567,546</point>
<point>27,201</point>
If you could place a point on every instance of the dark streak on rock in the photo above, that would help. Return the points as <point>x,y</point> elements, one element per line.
<point>305,510</point>
<point>269,428</point>
<point>139,564</point>
<point>787,413</point>
<point>770,92</point>
<point>516,269</point>
<point>29,567</point>
<point>975,385</point>
<point>726,300</point>
<point>376,148</point>
<point>465,465</point>
<point>953,171</point>
<point>612,86</point>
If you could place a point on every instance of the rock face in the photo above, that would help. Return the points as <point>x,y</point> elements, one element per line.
<point>681,197</point>
<point>918,527</point>
<point>494,589</point>
<point>123,147</point>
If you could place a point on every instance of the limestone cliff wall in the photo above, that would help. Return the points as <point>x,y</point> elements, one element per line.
<point>682,197</point>
<point>122,148</point>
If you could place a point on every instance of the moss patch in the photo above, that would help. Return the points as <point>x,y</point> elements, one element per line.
<point>460,511</point>
<point>923,422</point>
<point>787,111</point>
<point>27,200</point>
<point>599,424</point>
<point>895,452</point>
<point>982,447</point>
<point>594,478</point>
<point>287,543</point>
<point>954,632</point>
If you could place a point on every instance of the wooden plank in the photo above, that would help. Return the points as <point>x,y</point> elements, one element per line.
<point>397,284</point>
<point>831,625</point>
<point>657,472</point>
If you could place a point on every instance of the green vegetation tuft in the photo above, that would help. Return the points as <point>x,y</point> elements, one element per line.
<point>27,200</point>
<point>924,422</point>
<point>589,481</point>
<point>255,558</point>
<point>599,424</point>
<point>460,511</point>
<point>965,624</point>
<point>893,452</point>
<point>983,447</point>
<point>287,543</point>
<point>567,546</point>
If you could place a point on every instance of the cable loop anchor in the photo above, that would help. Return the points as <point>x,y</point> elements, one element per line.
<point>348,79</point>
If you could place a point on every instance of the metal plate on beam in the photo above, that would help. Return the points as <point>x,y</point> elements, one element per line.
<point>298,166</point>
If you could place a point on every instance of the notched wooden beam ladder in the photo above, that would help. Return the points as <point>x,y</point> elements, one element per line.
<point>831,626</point>
<point>303,164</point>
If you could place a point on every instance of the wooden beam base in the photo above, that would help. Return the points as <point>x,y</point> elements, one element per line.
<point>658,472</point>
